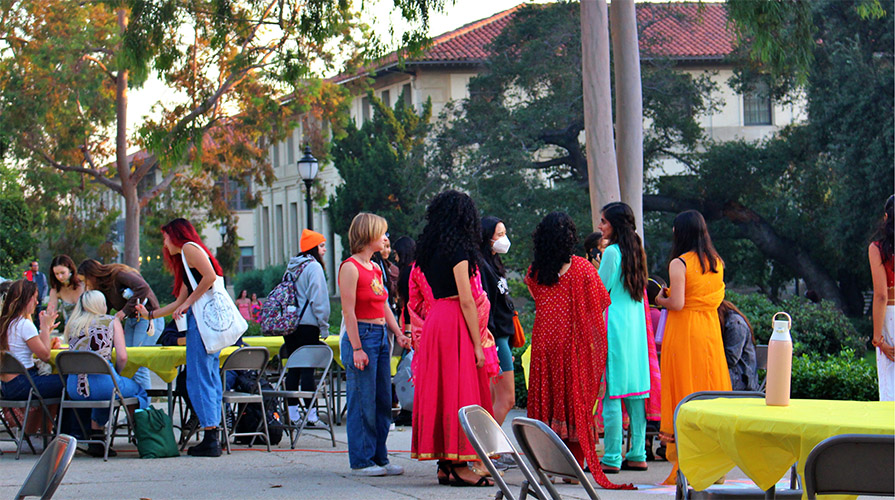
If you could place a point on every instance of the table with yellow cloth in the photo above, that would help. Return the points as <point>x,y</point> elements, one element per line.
<point>714,435</point>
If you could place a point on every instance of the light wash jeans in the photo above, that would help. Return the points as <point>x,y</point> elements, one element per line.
<point>134,336</point>
<point>369,397</point>
<point>101,387</point>
<point>203,378</point>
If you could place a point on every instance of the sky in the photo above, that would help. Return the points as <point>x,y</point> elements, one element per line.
<point>378,14</point>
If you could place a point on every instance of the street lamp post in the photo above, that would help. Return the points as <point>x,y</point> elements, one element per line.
<point>307,170</point>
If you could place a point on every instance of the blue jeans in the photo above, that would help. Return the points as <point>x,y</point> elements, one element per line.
<point>101,387</point>
<point>134,336</point>
<point>203,376</point>
<point>49,386</point>
<point>612,428</point>
<point>369,397</point>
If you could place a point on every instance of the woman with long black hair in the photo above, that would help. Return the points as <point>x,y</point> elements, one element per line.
<point>624,273</point>
<point>880,255</point>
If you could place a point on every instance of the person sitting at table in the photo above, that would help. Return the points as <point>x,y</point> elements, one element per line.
<point>89,328</point>
<point>19,337</point>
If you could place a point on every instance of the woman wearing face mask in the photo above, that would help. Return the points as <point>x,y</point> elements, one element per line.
<point>500,322</point>
<point>65,286</point>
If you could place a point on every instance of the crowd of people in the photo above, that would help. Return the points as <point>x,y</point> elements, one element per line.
<point>445,297</point>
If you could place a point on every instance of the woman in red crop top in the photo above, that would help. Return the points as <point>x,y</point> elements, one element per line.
<point>365,349</point>
<point>881,259</point>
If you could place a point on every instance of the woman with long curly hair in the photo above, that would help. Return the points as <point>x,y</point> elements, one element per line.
<point>623,271</point>
<point>124,288</point>
<point>451,369</point>
<point>881,268</point>
<point>203,381</point>
<point>568,340</point>
<point>692,349</point>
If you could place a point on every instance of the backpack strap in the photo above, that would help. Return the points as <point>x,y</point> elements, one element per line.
<point>293,277</point>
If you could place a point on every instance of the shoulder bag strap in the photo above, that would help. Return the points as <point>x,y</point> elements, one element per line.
<point>186,267</point>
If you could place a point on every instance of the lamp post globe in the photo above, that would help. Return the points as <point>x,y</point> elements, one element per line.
<point>308,167</point>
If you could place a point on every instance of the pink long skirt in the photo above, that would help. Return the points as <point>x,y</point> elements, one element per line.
<point>445,381</point>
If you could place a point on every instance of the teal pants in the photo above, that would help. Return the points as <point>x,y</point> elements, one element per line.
<point>612,429</point>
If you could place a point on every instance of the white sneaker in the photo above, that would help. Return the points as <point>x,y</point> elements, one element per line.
<point>312,416</point>
<point>373,470</point>
<point>393,470</point>
<point>294,415</point>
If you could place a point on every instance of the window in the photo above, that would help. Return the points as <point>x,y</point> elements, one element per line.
<point>365,109</point>
<point>294,223</point>
<point>290,149</point>
<point>757,105</point>
<point>265,228</point>
<point>237,196</point>
<point>405,94</point>
<point>275,155</point>
<point>280,227</point>
<point>386,98</point>
<point>246,259</point>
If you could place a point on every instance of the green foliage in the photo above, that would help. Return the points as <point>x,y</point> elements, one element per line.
<point>17,226</point>
<point>159,279</point>
<point>259,281</point>
<point>842,376</point>
<point>816,328</point>
<point>383,167</point>
<point>527,319</point>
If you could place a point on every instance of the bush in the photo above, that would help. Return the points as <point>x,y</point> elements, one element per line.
<point>258,281</point>
<point>843,376</point>
<point>816,328</point>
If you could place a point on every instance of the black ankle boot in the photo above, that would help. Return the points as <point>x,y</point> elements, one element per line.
<point>97,449</point>
<point>209,447</point>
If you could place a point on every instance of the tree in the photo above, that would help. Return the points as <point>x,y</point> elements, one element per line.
<point>383,168</point>
<point>17,243</point>
<point>66,70</point>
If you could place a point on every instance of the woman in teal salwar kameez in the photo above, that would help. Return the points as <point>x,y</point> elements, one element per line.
<point>624,273</point>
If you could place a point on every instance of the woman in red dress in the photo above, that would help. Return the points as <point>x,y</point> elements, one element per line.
<point>568,340</point>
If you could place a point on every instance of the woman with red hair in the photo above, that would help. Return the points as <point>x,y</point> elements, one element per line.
<point>203,382</point>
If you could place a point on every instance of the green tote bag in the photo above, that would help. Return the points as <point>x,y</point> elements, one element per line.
<point>155,434</point>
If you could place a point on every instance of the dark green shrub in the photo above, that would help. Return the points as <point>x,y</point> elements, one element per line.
<point>843,376</point>
<point>259,281</point>
<point>816,328</point>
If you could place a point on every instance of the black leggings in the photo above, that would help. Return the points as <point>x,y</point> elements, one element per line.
<point>302,336</point>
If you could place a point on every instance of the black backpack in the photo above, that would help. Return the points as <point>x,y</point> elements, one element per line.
<point>251,420</point>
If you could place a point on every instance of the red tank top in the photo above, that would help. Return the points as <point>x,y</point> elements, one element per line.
<point>889,265</point>
<point>370,295</point>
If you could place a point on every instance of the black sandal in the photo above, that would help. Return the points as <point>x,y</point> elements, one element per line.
<point>445,467</point>
<point>456,480</point>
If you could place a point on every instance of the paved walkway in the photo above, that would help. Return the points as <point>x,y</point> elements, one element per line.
<point>315,470</point>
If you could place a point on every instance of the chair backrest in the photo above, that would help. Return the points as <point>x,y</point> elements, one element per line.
<point>549,455</point>
<point>310,356</point>
<point>851,464</point>
<point>247,358</point>
<point>77,362</point>
<point>761,356</point>
<point>48,471</point>
<point>9,365</point>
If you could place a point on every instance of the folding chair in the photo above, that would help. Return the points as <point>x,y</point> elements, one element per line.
<point>9,365</point>
<point>49,469</point>
<point>761,362</point>
<point>253,359</point>
<point>487,438</point>
<point>851,464</point>
<point>311,357</point>
<point>549,455</point>
<point>91,363</point>
<point>685,492</point>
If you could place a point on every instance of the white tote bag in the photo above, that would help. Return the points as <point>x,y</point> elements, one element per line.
<point>217,317</point>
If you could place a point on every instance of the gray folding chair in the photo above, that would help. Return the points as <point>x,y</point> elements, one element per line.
<point>9,365</point>
<point>761,363</point>
<point>549,455</point>
<point>253,359</point>
<point>91,363</point>
<point>683,489</point>
<point>49,469</point>
<point>316,357</point>
<point>488,439</point>
<point>851,464</point>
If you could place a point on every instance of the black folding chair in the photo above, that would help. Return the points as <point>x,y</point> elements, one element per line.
<point>9,365</point>
<point>91,363</point>
<point>49,469</point>
<point>253,359</point>
<point>851,464</point>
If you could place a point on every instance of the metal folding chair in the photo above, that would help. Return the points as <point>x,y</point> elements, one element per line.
<point>761,363</point>
<point>488,439</point>
<point>851,464</point>
<point>9,365</point>
<point>252,359</point>
<point>49,469</point>
<point>549,455</point>
<point>683,489</point>
<point>91,363</point>
<point>316,357</point>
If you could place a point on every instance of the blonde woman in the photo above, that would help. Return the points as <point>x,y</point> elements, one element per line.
<point>89,328</point>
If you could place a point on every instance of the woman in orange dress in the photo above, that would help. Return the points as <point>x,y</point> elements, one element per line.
<point>692,349</point>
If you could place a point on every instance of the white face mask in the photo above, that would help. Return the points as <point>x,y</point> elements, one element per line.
<point>501,245</point>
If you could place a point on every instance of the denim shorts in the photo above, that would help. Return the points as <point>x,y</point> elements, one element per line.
<point>504,353</point>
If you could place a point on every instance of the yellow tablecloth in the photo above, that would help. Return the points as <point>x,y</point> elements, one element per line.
<point>764,441</point>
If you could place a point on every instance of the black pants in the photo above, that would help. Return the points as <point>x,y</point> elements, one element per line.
<point>302,336</point>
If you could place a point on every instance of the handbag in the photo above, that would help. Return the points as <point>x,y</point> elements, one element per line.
<point>217,317</point>
<point>155,434</point>
<point>518,339</point>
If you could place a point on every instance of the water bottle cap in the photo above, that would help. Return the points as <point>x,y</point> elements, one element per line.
<point>782,327</point>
